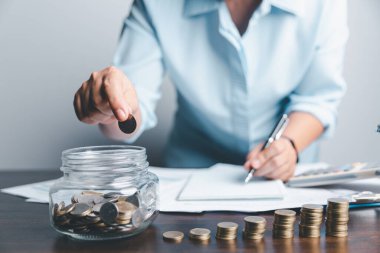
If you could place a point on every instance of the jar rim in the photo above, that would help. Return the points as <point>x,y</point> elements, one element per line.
<point>106,149</point>
<point>115,158</point>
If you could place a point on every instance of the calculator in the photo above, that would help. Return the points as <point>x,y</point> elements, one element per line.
<point>335,174</point>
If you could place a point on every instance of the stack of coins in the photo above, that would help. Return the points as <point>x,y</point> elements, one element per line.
<point>173,236</point>
<point>200,234</point>
<point>226,231</point>
<point>96,213</point>
<point>283,225</point>
<point>311,220</point>
<point>337,217</point>
<point>254,227</point>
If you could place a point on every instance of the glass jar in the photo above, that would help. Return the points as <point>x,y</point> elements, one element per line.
<point>106,192</point>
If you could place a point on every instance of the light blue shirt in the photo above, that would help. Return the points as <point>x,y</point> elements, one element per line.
<point>231,89</point>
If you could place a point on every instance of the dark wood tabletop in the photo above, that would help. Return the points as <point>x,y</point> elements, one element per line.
<point>24,227</point>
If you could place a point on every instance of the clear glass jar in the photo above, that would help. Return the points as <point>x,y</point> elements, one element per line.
<point>106,192</point>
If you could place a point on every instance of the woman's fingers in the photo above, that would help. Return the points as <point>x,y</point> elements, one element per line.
<point>276,162</point>
<point>104,98</point>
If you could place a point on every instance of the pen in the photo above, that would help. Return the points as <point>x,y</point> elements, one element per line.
<point>275,135</point>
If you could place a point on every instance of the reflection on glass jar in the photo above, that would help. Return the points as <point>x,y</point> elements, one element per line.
<point>106,192</point>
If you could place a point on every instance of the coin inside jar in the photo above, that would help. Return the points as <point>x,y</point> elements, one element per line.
<point>128,126</point>
<point>80,209</point>
<point>108,212</point>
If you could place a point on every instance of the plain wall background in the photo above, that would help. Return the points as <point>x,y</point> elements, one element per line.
<point>48,48</point>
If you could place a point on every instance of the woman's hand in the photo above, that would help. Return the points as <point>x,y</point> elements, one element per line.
<point>276,162</point>
<point>106,97</point>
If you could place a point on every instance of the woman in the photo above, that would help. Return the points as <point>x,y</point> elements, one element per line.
<point>237,65</point>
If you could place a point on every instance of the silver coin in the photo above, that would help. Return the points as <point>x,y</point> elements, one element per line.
<point>80,209</point>
<point>112,195</point>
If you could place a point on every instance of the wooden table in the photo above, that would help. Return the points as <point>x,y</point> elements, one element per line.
<point>24,227</point>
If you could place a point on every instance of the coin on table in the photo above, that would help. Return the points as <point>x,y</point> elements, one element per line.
<point>108,212</point>
<point>226,230</point>
<point>80,209</point>
<point>200,234</point>
<point>228,225</point>
<point>285,212</point>
<point>173,236</point>
<point>128,126</point>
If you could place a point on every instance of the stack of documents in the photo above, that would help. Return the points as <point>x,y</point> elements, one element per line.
<point>219,188</point>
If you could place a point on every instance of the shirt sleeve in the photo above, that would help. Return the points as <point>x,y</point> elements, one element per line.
<point>322,87</point>
<point>139,56</point>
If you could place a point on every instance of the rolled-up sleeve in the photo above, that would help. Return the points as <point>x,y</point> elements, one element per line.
<point>322,87</point>
<point>139,56</point>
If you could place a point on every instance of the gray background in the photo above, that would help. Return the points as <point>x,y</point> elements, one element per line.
<point>47,48</point>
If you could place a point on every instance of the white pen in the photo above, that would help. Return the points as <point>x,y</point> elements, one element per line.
<point>275,135</point>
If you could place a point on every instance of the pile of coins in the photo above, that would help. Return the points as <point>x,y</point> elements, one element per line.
<point>226,231</point>
<point>96,213</point>
<point>173,236</point>
<point>283,225</point>
<point>200,234</point>
<point>254,227</point>
<point>311,220</point>
<point>337,217</point>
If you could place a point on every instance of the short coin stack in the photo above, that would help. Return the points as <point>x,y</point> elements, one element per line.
<point>96,213</point>
<point>337,217</point>
<point>311,220</point>
<point>226,231</point>
<point>283,225</point>
<point>200,234</point>
<point>254,227</point>
<point>173,236</point>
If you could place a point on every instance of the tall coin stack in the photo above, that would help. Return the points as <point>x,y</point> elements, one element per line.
<point>254,227</point>
<point>283,225</point>
<point>311,220</point>
<point>337,217</point>
<point>226,230</point>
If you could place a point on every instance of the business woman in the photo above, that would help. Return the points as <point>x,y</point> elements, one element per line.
<point>237,65</point>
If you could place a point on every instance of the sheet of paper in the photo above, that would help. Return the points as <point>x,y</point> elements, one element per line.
<point>36,192</point>
<point>226,182</point>
<point>293,198</point>
<point>172,182</point>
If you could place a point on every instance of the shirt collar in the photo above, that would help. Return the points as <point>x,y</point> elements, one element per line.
<point>295,7</point>
<point>198,7</point>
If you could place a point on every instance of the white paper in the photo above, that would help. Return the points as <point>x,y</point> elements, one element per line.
<point>226,182</point>
<point>293,198</point>
<point>35,192</point>
<point>172,182</point>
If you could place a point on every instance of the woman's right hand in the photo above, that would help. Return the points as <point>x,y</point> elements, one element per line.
<point>105,98</point>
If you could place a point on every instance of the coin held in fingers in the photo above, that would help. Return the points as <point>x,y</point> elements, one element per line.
<point>128,126</point>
